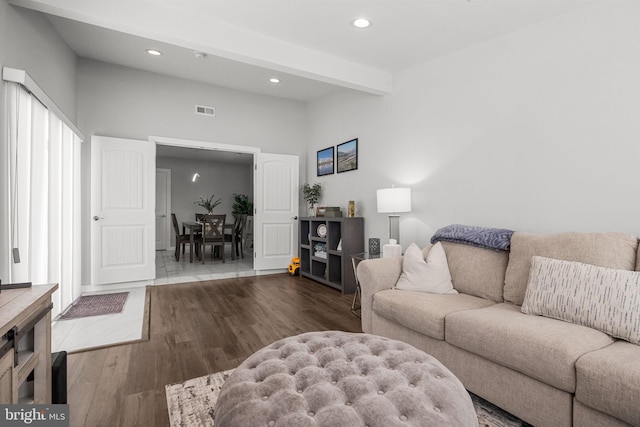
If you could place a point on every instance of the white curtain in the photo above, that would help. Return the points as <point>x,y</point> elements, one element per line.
<point>44,196</point>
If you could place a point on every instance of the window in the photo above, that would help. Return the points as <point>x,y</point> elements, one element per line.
<point>42,156</point>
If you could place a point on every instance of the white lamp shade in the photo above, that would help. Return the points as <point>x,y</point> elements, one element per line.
<point>394,200</point>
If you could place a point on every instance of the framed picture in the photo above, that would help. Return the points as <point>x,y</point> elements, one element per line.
<point>347,156</point>
<point>325,161</point>
<point>321,211</point>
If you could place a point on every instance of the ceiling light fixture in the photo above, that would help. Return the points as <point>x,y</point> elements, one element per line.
<point>199,55</point>
<point>274,80</point>
<point>361,23</point>
<point>154,52</point>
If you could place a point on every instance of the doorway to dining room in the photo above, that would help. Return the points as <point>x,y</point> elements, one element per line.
<point>195,173</point>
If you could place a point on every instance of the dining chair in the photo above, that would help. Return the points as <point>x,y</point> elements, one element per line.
<point>181,239</point>
<point>248,232</point>
<point>235,236</point>
<point>213,234</point>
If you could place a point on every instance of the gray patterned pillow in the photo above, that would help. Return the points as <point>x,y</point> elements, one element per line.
<point>600,298</point>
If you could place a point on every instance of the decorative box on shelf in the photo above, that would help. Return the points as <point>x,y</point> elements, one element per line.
<point>333,212</point>
<point>320,250</point>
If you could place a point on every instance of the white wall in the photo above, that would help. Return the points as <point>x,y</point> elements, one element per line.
<point>535,131</point>
<point>29,42</point>
<point>123,102</point>
<point>221,179</point>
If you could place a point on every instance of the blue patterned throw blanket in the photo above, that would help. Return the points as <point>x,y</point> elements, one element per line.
<point>490,238</point>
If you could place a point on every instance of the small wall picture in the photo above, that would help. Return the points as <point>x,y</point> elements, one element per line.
<point>325,161</point>
<point>347,156</point>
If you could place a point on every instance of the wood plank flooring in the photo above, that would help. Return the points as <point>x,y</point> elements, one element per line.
<point>196,329</point>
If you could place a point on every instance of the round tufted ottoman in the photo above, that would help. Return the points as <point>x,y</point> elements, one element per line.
<point>340,379</point>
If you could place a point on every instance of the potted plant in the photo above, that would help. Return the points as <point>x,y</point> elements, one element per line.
<point>311,194</point>
<point>208,203</point>
<point>241,205</point>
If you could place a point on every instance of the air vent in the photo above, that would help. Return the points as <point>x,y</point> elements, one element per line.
<point>205,111</point>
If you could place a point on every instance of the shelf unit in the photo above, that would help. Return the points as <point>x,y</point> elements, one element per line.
<point>333,266</point>
<point>27,311</point>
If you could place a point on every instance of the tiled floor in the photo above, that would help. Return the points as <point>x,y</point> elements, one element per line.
<point>168,270</point>
<point>87,332</point>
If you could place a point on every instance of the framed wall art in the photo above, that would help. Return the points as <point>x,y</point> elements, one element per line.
<point>325,161</point>
<point>347,156</point>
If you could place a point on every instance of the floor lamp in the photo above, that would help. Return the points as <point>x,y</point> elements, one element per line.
<point>394,201</point>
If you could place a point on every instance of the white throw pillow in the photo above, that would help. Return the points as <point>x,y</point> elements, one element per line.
<point>601,298</point>
<point>430,276</point>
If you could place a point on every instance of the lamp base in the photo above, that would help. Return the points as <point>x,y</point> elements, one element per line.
<point>394,228</point>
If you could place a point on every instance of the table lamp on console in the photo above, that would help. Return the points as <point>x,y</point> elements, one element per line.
<point>394,200</point>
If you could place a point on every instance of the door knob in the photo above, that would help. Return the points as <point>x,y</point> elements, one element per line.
<point>294,217</point>
<point>96,217</point>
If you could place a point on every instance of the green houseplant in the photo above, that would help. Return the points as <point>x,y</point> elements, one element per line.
<point>241,205</point>
<point>311,194</point>
<point>208,203</point>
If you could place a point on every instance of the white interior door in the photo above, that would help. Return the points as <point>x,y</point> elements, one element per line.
<point>276,210</point>
<point>163,205</point>
<point>123,210</point>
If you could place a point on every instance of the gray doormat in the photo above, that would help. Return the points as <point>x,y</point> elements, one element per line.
<point>95,305</point>
<point>192,402</point>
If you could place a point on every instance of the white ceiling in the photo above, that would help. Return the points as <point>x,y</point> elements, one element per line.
<point>309,44</point>
<point>89,41</point>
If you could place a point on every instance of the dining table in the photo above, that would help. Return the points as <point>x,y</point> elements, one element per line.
<point>195,228</point>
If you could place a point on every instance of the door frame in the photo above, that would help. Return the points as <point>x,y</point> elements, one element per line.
<point>207,145</point>
<point>167,221</point>
<point>204,145</point>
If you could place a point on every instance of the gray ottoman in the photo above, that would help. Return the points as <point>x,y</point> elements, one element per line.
<point>336,379</point>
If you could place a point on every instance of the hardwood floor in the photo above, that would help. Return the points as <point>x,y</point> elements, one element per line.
<point>196,329</point>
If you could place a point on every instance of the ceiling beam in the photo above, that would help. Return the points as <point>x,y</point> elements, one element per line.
<point>172,22</point>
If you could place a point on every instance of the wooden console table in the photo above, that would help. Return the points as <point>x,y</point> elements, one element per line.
<point>25,338</point>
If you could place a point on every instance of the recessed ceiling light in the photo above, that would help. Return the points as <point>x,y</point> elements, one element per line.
<point>274,80</point>
<point>154,52</point>
<point>361,23</point>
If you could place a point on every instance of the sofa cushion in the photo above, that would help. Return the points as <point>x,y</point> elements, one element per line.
<point>601,298</point>
<point>586,416</point>
<point>609,380</point>
<point>476,271</point>
<point>613,250</point>
<point>422,312</point>
<point>425,275</point>
<point>542,348</point>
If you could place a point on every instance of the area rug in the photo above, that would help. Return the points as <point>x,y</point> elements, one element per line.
<point>192,402</point>
<point>95,305</point>
<point>130,326</point>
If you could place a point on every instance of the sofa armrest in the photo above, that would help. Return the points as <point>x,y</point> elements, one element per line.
<point>375,275</point>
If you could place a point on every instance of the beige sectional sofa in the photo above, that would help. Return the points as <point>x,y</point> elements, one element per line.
<point>547,372</point>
